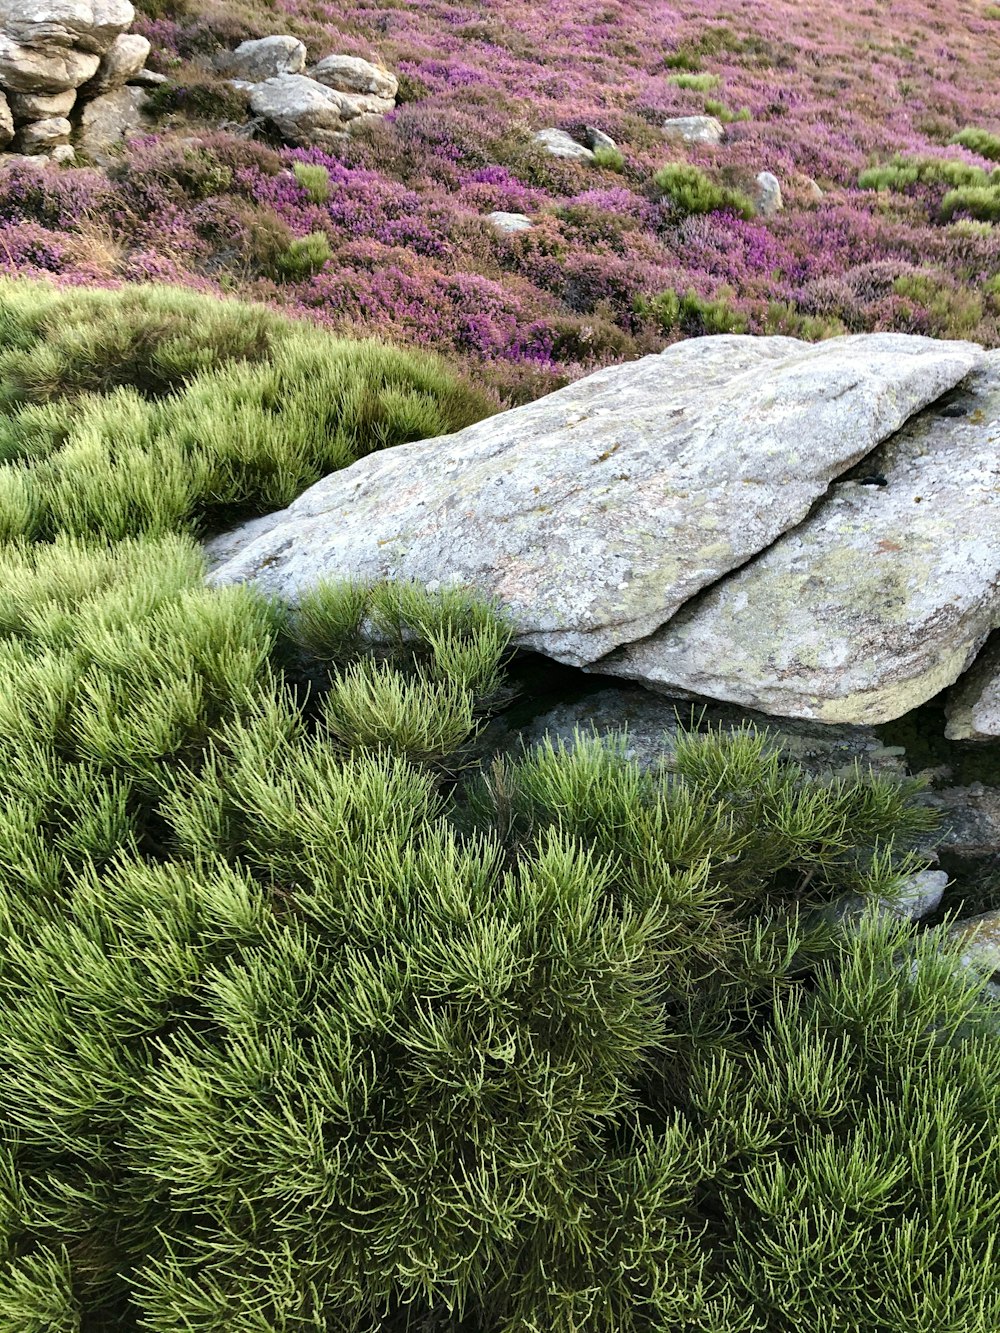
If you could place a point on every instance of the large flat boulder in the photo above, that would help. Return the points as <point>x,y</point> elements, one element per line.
<point>304,111</point>
<point>876,603</point>
<point>90,25</point>
<point>264,58</point>
<point>595,513</point>
<point>43,70</point>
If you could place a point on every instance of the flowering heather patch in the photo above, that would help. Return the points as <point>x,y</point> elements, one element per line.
<point>893,111</point>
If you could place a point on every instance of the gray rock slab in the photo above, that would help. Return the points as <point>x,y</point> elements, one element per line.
<point>122,61</point>
<point>90,25</point>
<point>970,821</point>
<point>973,704</point>
<point>872,606</point>
<point>509,222</point>
<point>29,107</point>
<point>264,58</point>
<point>560,144</point>
<point>6,122</point>
<point>595,513</point>
<point>306,112</point>
<point>43,135</point>
<point>53,69</point>
<point>695,129</point>
<point>109,119</point>
<point>351,74</point>
<point>767,194</point>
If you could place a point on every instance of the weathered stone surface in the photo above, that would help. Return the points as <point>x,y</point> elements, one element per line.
<point>767,194</point>
<point>596,138</point>
<point>90,25</point>
<point>63,155</point>
<point>6,122</point>
<point>351,74</point>
<point>695,129</point>
<point>43,135</point>
<point>595,513</point>
<point>110,118</point>
<point>876,603</point>
<point>121,62</point>
<point>560,144</point>
<point>29,69</point>
<point>980,940</point>
<point>509,222</point>
<point>148,78</point>
<point>970,821</point>
<point>973,705</point>
<point>265,58</point>
<point>29,107</point>
<point>307,112</point>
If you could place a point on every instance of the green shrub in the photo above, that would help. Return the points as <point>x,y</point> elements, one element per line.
<point>694,314</point>
<point>981,202</point>
<point>314,179</point>
<point>979,141</point>
<point>950,312</point>
<point>689,190</point>
<point>305,256</point>
<point>151,409</point>
<point>902,172</point>
<point>722,112</point>
<point>696,83</point>
<point>612,159</point>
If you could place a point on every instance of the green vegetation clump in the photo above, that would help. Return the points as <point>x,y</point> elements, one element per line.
<point>153,410</point>
<point>903,172</point>
<point>612,159</point>
<point>696,83</point>
<point>693,314</point>
<point>979,141</point>
<point>689,190</point>
<point>981,202</point>
<point>305,256</point>
<point>308,1023</point>
<point>722,112</point>
<point>314,179</point>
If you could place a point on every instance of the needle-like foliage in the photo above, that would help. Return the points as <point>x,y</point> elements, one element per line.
<point>300,1032</point>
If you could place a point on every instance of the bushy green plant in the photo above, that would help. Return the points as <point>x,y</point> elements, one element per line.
<point>981,202</point>
<point>314,179</point>
<point>151,409</point>
<point>979,141</point>
<point>696,83</point>
<point>690,190</point>
<point>722,112</point>
<point>305,256</point>
<point>612,159</point>
<point>904,171</point>
<point>695,314</point>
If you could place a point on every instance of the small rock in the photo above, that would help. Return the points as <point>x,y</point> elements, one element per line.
<point>148,78</point>
<point>509,222</point>
<point>560,144</point>
<point>36,163</point>
<point>973,704</point>
<point>43,135</point>
<point>64,154</point>
<point>921,894</point>
<point>970,821</point>
<point>695,129</point>
<point>980,938</point>
<point>265,58</point>
<point>351,74</point>
<point>29,107</point>
<point>768,195</point>
<point>595,138</point>
<point>108,119</point>
<point>122,62</point>
<point>6,122</point>
<point>812,190</point>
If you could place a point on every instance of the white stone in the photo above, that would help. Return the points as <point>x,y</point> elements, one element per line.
<point>265,58</point>
<point>695,129</point>
<point>121,62</point>
<point>877,602</point>
<point>509,222</point>
<point>29,69</point>
<point>6,122</point>
<point>351,74</point>
<point>560,144</point>
<point>598,139</point>
<point>768,194</point>
<point>595,513</point>
<point>89,25</point>
<point>42,135</point>
<point>306,112</point>
<point>64,154</point>
<point>28,107</point>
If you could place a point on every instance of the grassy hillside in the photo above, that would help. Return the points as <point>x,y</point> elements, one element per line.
<point>616,263</point>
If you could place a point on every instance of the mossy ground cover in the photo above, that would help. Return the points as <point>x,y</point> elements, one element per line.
<point>308,1022</point>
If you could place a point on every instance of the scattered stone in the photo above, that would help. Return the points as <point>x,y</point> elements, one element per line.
<point>973,705</point>
<point>110,118</point>
<point>64,154</point>
<point>36,163</point>
<point>768,194</point>
<point>922,894</point>
<point>265,58</point>
<point>812,189</point>
<point>560,144</point>
<point>595,513</point>
<point>148,78</point>
<point>351,74</point>
<point>306,112</point>
<point>970,827</point>
<point>6,122</point>
<point>43,135</point>
<point>29,107</point>
<point>509,222</point>
<point>695,129</point>
<point>980,938</point>
<point>123,61</point>
<point>874,604</point>
<point>595,138</point>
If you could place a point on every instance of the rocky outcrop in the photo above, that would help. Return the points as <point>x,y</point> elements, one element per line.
<point>695,129</point>
<point>56,56</point>
<point>877,602</point>
<point>265,58</point>
<point>306,112</point>
<point>351,74</point>
<point>108,119</point>
<point>595,514</point>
